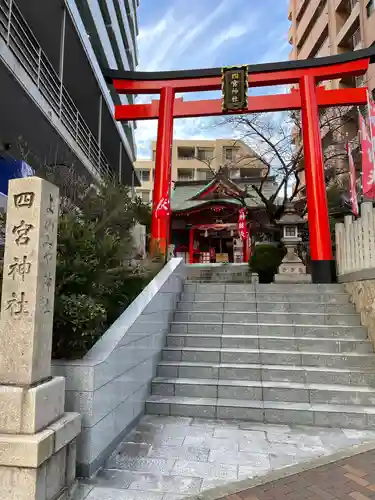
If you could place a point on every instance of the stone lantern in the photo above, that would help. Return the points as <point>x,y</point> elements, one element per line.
<point>291,269</point>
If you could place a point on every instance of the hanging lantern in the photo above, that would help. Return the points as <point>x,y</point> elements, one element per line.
<point>206,234</point>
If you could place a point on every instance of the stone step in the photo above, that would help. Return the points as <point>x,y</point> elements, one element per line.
<point>329,415</point>
<point>277,373</point>
<point>321,331</point>
<point>264,391</point>
<point>313,344</point>
<point>290,307</point>
<point>268,356</point>
<point>316,298</point>
<point>262,288</point>
<point>268,317</point>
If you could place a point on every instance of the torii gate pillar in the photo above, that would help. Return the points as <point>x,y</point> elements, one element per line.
<point>160,223</point>
<point>317,206</point>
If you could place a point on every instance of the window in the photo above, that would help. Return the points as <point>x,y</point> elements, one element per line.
<point>290,231</point>
<point>234,173</point>
<point>204,174</point>
<point>144,175</point>
<point>185,153</point>
<point>370,8</point>
<point>373,94</point>
<point>185,175</point>
<point>205,154</point>
<point>145,196</point>
<point>230,153</point>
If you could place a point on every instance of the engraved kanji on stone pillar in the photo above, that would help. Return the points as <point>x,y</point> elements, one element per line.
<point>28,281</point>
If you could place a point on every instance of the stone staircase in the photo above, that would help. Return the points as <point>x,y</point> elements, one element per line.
<point>293,354</point>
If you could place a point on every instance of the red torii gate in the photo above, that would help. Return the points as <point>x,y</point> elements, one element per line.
<point>309,97</point>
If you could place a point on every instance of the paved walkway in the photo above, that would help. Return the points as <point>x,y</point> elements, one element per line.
<point>168,458</point>
<point>349,479</point>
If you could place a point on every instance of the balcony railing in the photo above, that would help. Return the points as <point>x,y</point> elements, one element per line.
<point>356,38</point>
<point>24,46</point>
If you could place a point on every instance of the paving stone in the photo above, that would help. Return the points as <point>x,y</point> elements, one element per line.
<point>247,307</point>
<point>202,341</point>
<point>240,413</point>
<point>239,297</point>
<point>98,493</point>
<point>191,354</point>
<point>203,328</point>
<point>196,391</point>
<point>199,372</point>
<point>188,453</point>
<point>165,370</point>
<point>153,465</point>
<point>240,458</point>
<point>200,469</point>
<point>240,341</point>
<point>247,356</point>
<point>193,410</point>
<point>238,392</point>
<point>240,329</point>
<point>149,482</point>
<point>288,416</point>
<point>239,373</point>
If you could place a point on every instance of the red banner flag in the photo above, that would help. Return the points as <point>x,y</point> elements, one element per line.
<point>368,167</point>
<point>242,227</point>
<point>353,183</point>
<point>371,115</point>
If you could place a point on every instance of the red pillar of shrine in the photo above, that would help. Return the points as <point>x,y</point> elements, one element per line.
<point>191,246</point>
<point>317,206</point>
<point>160,223</point>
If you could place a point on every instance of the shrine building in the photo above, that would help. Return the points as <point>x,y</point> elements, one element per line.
<point>205,216</point>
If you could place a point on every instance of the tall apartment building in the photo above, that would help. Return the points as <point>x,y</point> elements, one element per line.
<point>194,160</point>
<point>55,107</point>
<point>321,28</point>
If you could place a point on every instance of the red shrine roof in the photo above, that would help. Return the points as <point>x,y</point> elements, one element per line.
<point>220,188</point>
<point>219,192</point>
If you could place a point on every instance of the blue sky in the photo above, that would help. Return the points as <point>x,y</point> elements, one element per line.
<point>184,34</point>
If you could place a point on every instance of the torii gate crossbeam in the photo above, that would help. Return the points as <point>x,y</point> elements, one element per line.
<point>307,74</point>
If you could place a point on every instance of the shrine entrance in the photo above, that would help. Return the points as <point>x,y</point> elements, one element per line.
<point>216,244</point>
<point>307,75</point>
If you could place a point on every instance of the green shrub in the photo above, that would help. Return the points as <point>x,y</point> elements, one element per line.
<point>78,323</point>
<point>265,261</point>
<point>95,279</point>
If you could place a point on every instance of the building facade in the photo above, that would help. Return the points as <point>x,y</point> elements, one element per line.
<point>322,28</point>
<point>198,160</point>
<point>55,107</point>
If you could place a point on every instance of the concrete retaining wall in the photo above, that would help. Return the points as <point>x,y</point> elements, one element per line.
<point>110,384</point>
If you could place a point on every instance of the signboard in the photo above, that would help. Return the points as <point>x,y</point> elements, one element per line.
<point>222,258</point>
<point>12,169</point>
<point>234,88</point>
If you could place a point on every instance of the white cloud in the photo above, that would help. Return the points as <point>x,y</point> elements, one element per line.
<point>234,31</point>
<point>190,36</point>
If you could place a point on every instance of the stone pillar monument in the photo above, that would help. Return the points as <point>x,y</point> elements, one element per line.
<point>37,439</point>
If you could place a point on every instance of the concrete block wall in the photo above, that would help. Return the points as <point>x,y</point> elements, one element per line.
<point>110,384</point>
